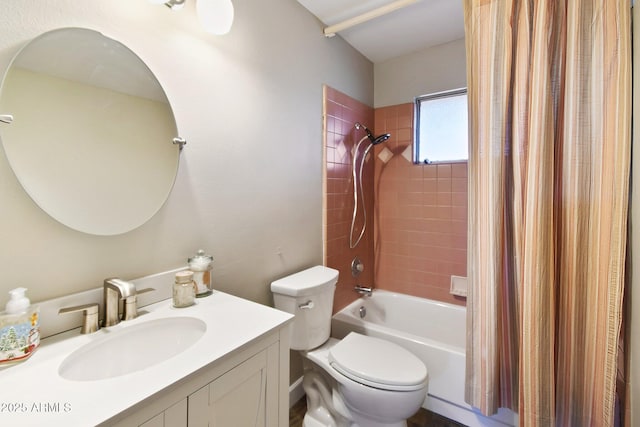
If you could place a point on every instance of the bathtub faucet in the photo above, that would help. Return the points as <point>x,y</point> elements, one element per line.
<point>364,290</point>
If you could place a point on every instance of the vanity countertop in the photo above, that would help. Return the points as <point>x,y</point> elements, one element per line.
<point>33,393</point>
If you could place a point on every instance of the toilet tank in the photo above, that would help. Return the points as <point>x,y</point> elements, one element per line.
<point>308,295</point>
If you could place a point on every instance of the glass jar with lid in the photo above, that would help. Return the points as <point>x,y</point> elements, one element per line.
<point>200,265</point>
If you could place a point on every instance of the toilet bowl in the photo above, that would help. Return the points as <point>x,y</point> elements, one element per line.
<point>380,383</point>
<point>359,381</point>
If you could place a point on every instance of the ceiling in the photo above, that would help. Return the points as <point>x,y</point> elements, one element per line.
<point>415,27</point>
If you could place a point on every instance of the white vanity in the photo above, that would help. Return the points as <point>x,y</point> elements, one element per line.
<point>235,374</point>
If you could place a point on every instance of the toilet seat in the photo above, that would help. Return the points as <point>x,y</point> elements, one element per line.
<point>377,363</point>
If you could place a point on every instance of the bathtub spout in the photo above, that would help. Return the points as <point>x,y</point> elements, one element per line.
<point>367,291</point>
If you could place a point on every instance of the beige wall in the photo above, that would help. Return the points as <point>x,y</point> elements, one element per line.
<point>249,186</point>
<point>435,69</point>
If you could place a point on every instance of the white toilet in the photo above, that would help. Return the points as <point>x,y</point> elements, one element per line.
<point>359,381</point>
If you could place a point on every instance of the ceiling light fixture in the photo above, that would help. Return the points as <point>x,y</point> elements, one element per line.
<point>215,16</point>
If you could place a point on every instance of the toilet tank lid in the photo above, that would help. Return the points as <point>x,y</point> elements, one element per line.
<point>306,282</point>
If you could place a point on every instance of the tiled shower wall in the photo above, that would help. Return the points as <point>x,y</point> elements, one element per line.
<point>421,215</point>
<point>340,115</point>
<point>418,238</point>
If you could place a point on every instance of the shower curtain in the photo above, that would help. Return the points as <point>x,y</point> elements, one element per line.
<point>549,89</point>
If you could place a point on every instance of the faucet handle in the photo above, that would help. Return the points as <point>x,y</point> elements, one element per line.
<point>130,308</point>
<point>89,316</point>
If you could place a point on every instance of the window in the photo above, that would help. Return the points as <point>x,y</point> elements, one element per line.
<point>441,127</point>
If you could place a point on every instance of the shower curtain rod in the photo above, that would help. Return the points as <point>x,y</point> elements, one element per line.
<point>331,30</point>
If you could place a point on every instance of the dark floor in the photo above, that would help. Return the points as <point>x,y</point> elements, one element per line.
<point>423,418</point>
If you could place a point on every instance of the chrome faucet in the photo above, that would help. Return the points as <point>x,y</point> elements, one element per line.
<point>362,290</point>
<point>115,290</point>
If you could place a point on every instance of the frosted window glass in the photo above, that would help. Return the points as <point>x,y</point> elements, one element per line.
<point>442,133</point>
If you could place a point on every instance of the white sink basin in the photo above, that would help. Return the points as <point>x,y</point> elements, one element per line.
<point>132,348</point>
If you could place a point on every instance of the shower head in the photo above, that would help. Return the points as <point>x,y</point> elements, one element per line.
<point>374,140</point>
<point>381,138</point>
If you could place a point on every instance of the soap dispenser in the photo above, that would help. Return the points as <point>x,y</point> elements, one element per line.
<point>19,328</point>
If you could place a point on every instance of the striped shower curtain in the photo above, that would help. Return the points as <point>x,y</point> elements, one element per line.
<point>549,89</point>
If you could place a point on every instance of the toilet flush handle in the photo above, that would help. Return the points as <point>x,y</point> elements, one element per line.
<point>306,306</point>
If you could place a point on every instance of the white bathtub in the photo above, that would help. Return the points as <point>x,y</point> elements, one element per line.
<point>433,331</point>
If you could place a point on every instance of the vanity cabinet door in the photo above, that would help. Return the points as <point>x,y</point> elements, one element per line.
<point>242,397</point>
<point>174,416</point>
<point>248,388</point>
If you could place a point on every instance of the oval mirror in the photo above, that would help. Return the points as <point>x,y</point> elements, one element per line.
<point>91,140</point>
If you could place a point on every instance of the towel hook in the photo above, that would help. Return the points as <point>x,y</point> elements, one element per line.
<point>6,118</point>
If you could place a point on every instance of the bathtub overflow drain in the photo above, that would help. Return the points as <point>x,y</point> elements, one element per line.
<point>363,312</point>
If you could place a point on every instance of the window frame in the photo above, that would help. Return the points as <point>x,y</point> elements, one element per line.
<point>416,136</point>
